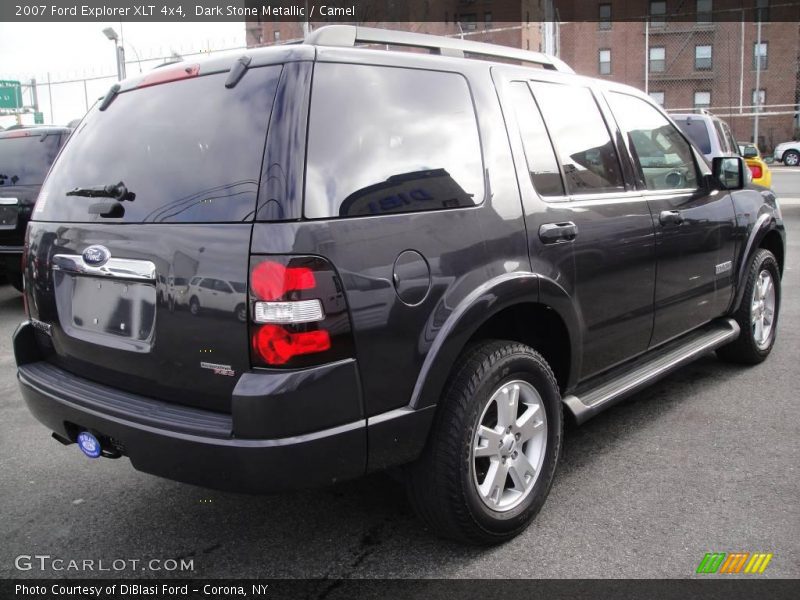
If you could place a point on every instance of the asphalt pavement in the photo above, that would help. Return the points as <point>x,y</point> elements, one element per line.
<point>704,461</point>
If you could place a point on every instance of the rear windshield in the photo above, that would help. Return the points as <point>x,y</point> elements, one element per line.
<point>187,151</point>
<point>24,160</point>
<point>696,130</point>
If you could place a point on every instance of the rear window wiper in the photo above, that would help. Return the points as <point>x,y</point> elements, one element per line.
<point>117,191</point>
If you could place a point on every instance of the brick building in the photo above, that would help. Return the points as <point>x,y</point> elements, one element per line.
<point>704,58</point>
<point>516,23</point>
<point>686,53</point>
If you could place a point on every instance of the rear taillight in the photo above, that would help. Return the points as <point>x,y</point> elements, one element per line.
<point>756,171</point>
<point>298,312</point>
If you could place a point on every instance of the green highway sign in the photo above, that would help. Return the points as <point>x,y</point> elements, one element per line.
<point>38,118</point>
<point>10,94</point>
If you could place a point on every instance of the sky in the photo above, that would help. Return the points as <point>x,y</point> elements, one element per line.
<point>74,51</point>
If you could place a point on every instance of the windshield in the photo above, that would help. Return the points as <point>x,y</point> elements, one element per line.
<point>696,131</point>
<point>25,160</point>
<point>185,151</point>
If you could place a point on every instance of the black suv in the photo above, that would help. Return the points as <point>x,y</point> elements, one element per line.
<point>25,156</point>
<point>439,257</point>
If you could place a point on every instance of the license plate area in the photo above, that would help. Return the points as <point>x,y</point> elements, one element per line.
<point>113,313</point>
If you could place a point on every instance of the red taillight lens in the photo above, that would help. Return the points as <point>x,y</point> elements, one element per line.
<point>756,171</point>
<point>271,280</point>
<point>277,346</point>
<point>297,312</point>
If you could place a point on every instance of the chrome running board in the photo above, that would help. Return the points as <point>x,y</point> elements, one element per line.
<point>586,403</point>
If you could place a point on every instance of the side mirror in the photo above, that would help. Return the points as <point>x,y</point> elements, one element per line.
<point>729,172</point>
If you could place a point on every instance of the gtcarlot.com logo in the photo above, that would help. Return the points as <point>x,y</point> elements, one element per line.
<point>734,562</point>
<point>46,562</point>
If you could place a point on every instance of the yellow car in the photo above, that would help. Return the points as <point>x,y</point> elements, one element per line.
<point>761,173</point>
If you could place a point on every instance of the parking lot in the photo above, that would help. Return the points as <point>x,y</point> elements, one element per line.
<point>704,461</point>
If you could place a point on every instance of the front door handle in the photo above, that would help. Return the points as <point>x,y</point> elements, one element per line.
<point>554,233</point>
<point>670,217</point>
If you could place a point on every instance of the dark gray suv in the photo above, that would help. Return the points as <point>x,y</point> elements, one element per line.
<point>436,259</point>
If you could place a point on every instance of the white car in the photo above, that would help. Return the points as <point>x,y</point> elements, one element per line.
<point>208,293</point>
<point>788,153</point>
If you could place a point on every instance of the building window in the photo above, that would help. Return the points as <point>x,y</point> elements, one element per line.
<point>276,36</point>
<point>759,100</point>
<point>702,99</point>
<point>704,11</point>
<point>604,20</point>
<point>658,10</point>
<point>604,58</point>
<point>762,10</point>
<point>468,22</point>
<point>702,58</point>
<point>487,20</point>
<point>760,55</point>
<point>658,98</point>
<point>658,59</point>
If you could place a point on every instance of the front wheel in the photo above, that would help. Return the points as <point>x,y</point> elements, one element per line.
<point>791,158</point>
<point>493,450</point>
<point>757,314</point>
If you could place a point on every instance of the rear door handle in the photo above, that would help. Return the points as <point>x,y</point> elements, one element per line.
<point>670,217</point>
<point>554,233</point>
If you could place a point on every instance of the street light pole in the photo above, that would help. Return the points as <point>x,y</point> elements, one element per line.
<point>119,51</point>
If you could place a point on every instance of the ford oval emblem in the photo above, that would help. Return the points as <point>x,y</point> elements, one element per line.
<point>96,256</point>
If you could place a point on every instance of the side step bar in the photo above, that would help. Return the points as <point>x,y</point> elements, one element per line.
<point>588,402</point>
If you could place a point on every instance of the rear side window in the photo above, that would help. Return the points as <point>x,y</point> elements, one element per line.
<point>25,160</point>
<point>390,140</point>
<point>695,130</point>
<point>580,134</point>
<point>539,154</point>
<point>189,150</point>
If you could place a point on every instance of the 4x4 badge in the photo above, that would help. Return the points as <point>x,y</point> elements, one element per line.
<point>724,267</point>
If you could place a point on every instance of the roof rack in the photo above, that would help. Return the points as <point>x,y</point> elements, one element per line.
<point>350,35</point>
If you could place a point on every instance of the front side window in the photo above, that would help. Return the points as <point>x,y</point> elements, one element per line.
<point>664,157</point>
<point>702,57</point>
<point>585,147</point>
<point>658,59</point>
<point>390,140</point>
<point>604,57</point>
<point>539,153</point>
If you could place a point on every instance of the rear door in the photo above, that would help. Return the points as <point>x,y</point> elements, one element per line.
<point>188,153</point>
<point>588,230</point>
<point>694,227</point>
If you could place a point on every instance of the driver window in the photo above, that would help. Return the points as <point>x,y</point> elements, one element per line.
<point>664,158</point>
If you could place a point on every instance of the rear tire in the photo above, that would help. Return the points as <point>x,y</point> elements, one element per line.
<point>757,314</point>
<point>492,452</point>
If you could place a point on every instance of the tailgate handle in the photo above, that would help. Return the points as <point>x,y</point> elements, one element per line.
<point>118,268</point>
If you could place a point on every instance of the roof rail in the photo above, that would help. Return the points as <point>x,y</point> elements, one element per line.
<point>350,35</point>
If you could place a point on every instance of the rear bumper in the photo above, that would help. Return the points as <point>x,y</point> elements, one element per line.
<point>182,443</point>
